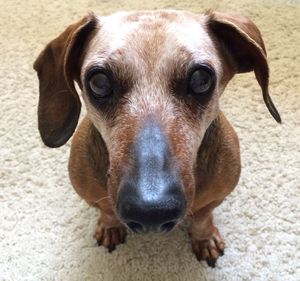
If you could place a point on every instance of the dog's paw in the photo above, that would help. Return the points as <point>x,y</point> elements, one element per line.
<point>209,249</point>
<point>110,237</point>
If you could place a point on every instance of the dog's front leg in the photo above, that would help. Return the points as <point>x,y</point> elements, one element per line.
<point>207,243</point>
<point>109,231</point>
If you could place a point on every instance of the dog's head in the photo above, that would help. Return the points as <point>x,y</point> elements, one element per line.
<point>151,83</point>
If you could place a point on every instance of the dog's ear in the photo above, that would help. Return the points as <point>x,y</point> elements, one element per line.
<point>58,66</point>
<point>243,42</point>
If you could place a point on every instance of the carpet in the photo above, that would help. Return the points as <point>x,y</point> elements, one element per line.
<point>46,230</point>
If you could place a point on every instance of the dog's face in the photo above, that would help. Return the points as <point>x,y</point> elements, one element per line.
<point>151,82</point>
<point>147,73</point>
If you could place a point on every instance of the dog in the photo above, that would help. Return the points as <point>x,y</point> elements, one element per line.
<point>154,146</point>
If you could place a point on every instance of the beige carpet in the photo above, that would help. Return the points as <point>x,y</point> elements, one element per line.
<point>46,229</point>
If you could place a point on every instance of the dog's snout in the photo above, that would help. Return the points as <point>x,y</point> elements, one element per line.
<point>151,196</point>
<point>158,215</point>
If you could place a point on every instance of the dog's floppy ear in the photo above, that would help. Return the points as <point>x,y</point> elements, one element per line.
<point>243,41</point>
<point>57,67</point>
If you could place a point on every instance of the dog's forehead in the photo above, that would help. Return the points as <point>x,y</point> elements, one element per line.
<point>155,35</point>
<point>188,29</point>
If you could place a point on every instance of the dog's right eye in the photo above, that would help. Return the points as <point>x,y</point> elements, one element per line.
<point>202,80</point>
<point>100,85</point>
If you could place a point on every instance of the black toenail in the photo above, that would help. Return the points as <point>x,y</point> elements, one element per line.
<point>211,262</point>
<point>111,248</point>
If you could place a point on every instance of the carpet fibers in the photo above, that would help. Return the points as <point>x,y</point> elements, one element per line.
<point>46,230</point>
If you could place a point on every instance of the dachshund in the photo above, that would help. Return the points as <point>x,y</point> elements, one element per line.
<point>154,146</point>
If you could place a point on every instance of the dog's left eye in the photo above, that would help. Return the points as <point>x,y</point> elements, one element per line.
<point>202,80</point>
<point>100,85</point>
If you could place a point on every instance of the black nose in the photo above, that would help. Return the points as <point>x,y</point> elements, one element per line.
<point>159,214</point>
<point>151,196</point>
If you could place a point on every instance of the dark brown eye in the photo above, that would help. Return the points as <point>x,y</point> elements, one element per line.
<point>202,81</point>
<point>100,85</point>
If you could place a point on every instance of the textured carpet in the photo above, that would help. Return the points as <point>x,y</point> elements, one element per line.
<point>46,229</point>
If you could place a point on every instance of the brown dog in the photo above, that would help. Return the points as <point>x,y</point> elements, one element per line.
<point>154,146</point>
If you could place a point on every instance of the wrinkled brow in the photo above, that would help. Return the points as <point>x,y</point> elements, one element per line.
<point>115,66</point>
